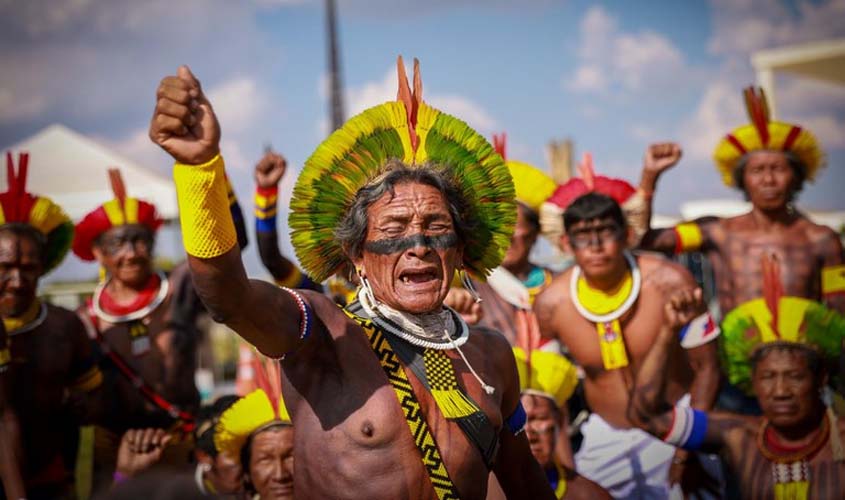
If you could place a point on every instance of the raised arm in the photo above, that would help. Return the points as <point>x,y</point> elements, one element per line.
<point>11,452</point>
<point>184,125</point>
<point>516,469</point>
<point>683,427</point>
<point>268,173</point>
<point>684,237</point>
<point>833,272</point>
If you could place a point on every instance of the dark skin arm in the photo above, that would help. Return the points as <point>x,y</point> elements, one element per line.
<point>833,255</point>
<point>11,453</point>
<point>518,473</point>
<point>658,158</point>
<point>268,173</point>
<point>185,126</point>
<point>646,409</point>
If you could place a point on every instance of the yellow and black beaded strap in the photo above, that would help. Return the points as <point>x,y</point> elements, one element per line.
<point>414,417</point>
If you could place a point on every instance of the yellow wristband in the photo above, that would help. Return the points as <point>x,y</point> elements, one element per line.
<point>833,279</point>
<point>207,227</point>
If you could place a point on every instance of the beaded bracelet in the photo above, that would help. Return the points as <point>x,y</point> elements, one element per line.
<point>306,316</point>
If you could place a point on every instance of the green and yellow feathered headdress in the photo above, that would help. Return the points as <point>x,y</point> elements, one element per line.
<point>411,131</point>
<point>258,410</point>
<point>776,318</point>
<point>762,134</point>
<point>17,206</point>
<point>545,373</point>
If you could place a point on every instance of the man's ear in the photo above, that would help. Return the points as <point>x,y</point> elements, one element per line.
<point>630,237</point>
<point>203,457</point>
<point>98,254</point>
<point>564,245</point>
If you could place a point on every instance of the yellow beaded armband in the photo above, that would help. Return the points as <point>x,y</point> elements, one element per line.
<point>207,227</point>
<point>688,237</point>
<point>833,279</point>
<point>89,380</point>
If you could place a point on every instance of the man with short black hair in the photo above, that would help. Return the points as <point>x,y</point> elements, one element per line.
<point>607,310</point>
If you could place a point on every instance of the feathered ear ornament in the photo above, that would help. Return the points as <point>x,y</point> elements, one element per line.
<point>16,186</point>
<point>587,172</point>
<point>411,99</point>
<point>499,144</point>
<point>772,286</point>
<point>268,377</point>
<point>758,112</point>
<point>118,188</point>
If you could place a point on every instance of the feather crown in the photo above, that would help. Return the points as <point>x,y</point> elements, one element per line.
<point>532,185</point>
<point>17,206</point>
<point>411,131</point>
<point>764,134</point>
<point>258,410</point>
<point>776,318</point>
<point>121,210</point>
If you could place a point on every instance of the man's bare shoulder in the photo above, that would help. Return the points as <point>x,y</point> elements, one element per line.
<point>557,289</point>
<point>489,339</point>
<point>819,233</point>
<point>63,320</point>
<point>662,273</point>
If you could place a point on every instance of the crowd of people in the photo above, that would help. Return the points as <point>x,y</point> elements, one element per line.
<point>415,351</point>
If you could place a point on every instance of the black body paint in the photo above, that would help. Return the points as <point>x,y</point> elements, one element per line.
<point>389,246</point>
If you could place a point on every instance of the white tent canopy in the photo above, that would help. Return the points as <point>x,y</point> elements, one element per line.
<point>71,169</point>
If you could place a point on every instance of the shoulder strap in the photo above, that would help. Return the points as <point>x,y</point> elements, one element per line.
<point>477,426</point>
<point>433,462</point>
<point>186,420</point>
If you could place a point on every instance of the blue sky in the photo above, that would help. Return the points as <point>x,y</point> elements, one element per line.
<point>612,76</point>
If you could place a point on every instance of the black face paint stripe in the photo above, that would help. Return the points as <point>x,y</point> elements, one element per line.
<point>389,246</point>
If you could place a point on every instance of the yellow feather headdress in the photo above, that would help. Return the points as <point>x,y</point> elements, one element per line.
<point>411,131</point>
<point>545,373</point>
<point>763,134</point>
<point>253,412</point>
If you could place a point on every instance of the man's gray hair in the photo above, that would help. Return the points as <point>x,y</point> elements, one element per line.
<point>352,230</point>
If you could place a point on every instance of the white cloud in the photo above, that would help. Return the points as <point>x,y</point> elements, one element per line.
<point>237,103</point>
<point>16,107</point>
<point>610,58</point>
<point>741,27</point>
<point>720,110</point>
<point>376,92</point>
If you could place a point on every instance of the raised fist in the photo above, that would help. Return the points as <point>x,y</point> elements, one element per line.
<point>464,304</point>
<point>183,122</point>
<point>270,170</point>
<point>139,449</point>
<point>661,157</point>
<point>683,306</point>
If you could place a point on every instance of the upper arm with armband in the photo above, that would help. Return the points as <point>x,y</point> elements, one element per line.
<point>699,331</point>
<point>688,237</point>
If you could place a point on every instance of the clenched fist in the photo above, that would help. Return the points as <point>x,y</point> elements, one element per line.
<point>683,306</point>
<point>270,170</point>
<point>183,122</point>
<point>661,157</point>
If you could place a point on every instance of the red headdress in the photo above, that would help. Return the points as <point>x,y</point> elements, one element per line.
<point>551,213</point>
<point>120,211</point>
<point>19,207</point>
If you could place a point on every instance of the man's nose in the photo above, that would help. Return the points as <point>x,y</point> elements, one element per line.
<point>13,279</point>
<point>781,388</point>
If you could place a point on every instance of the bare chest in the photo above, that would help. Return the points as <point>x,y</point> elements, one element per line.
<point>738,264</point>
<point>759,478</point>
<point>358,442</point>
